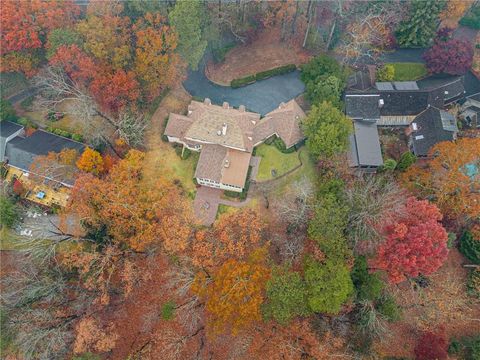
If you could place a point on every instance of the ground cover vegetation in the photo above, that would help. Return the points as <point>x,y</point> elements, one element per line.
<point>327,265</point>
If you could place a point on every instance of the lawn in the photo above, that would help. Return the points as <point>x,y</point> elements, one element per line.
<point>409,71</point>
<point>273,159</point>
<point>13,83</point>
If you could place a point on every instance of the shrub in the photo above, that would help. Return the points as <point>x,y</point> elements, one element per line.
<point>470,247</point>
<point>236,83</point>
<point>472,18</point>
<point>389,308</point>
<point>77,137</point>
<point>276,71</point>
<point>7,112</point>
<point>473,283</point>
<point>431,346</point>
<point>389,165</point>
<point>9,212</point>
<point>368,286</point>
<point>467,348</point>
<point>280,145</point>
<point>406,160</point>
<point>386,73</point>
<point>26,123</point>
<point>168,310</point>
<point>186,153</point>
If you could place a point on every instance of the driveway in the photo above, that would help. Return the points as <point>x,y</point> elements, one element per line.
<point>261,97</point>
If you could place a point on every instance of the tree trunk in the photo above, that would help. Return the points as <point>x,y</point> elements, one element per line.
<point>331,35</point>
<point>294,22</point>
<point>309,17</point>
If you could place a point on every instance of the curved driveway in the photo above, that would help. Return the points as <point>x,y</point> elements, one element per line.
<point>261,97</point>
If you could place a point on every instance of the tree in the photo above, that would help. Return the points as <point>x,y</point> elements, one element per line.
<point>286,297</point>
<point>9,212</point>
<point>234,235</point>
<point>386,73</point>
<point>55,166</point>
<point>124,209</point>
<point>416,243</point>
<point>446,180</point>
<point>324,79</point>
<point>431,346</point>
<point>470,247</point>
<point>24,28</point>
<point>328,285</point>
<point>406,160</point>
<point>157,65</point>
<point>327,130</point>
<point>61,37</point>
<point>234,295</point>
<point>451,56</point>
<point>186,19</point>
<point>419,29</point>
<point>368,286</point>
<point>91,161</point>
<point>327,89</point>
<point>7,112</point>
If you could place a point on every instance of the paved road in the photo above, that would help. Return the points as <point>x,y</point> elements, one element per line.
<point>261,97</point>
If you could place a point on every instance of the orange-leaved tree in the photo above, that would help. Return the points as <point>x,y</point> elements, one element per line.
<point>24,27</point>
<point>234,293</point>
<point>450,179</point>
<point>234,235</point>
<point>123,209</point>
<point>91,161</point>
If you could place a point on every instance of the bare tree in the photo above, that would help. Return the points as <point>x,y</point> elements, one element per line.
<point>373,202</point>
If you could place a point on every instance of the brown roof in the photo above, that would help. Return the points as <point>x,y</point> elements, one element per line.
<point>223,165</point>
<point>208,120</point>
<point>177,125</point>
<point>286,122</point>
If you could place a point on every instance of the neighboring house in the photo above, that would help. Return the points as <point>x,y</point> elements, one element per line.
<point>400,103</point>
<point>20,151</point>
<point>226,137</point>
<point>470,111</point>
<point>429,128</point>
<point>8,131</point>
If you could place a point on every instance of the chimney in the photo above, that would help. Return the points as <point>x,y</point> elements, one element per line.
<point>241,108</point>
<point>227,163</point>
<point>207,101</point>
<point>225,105</point>
<point>282,104</point>
<point>381,103</point>
<point>224,129</point>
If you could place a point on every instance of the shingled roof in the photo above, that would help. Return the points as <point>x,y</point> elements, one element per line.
<point>432,126</point>
<point>286,122</point>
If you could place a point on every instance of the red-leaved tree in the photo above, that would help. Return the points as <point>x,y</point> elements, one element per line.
<point>431,346</point>
<point>415,244</point>
<point>449,56</point>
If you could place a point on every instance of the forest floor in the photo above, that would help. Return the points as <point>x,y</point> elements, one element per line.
<point>264,53</point>
<point>444,304</point>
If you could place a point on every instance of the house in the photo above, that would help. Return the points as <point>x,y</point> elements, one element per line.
<point>399,104</point>
<point>470,111</point>
<point>430,127</point>
<point>19,151</point>
<point>226,137</point>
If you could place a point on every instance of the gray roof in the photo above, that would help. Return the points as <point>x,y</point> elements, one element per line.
<point>21,152</point>
<point>365,145</point>
<point>7,129</point>
<point>452,86</point>
<point>384,86</point>
<point>405,85</point>
<point>362,106</point>
<point>433,126</point>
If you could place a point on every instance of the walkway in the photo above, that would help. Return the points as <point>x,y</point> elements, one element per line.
<point>261,97</point>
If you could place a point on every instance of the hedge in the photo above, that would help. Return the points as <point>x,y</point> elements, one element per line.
<point>60,132</point>
<point>236,83</point>
<point>280,145</point>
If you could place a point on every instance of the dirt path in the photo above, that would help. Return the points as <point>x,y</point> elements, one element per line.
<point>160,156</point>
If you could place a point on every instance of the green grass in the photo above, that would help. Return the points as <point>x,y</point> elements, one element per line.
<point>409,71</point>
<point>184,170</point>
<point>273,159</point>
